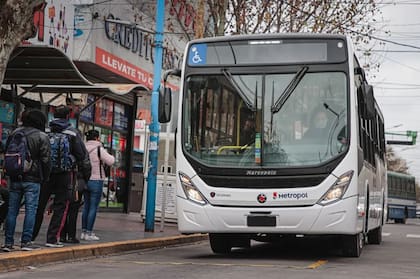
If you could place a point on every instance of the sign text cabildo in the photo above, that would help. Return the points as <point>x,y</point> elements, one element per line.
<point>138,41</point>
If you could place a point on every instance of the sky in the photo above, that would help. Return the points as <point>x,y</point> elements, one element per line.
<point>397,83</point>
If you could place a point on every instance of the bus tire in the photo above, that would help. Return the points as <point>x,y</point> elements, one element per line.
<point>220,243</point>
<point>353,245</point>
<point>375,236</point>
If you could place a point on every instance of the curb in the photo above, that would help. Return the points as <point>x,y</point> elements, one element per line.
<point>20,259</point>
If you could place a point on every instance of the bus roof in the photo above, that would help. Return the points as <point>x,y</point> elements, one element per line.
<point>269,36</point>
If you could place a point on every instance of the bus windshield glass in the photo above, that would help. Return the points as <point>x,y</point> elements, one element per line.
<point>274,120</point>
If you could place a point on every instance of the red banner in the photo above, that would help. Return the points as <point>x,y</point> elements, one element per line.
<point>123,68</point>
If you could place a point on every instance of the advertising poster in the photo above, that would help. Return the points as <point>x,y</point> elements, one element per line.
<point>120,117</point>
<point>7,112</point>
<point>88,113</point>
<point>104,111</point>
<point>55,26</point>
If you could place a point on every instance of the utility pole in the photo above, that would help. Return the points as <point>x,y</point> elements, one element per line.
<point>154,126</point>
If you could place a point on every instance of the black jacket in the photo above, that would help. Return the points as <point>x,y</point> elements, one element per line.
<point>40,149</point>
<point>77,148</point>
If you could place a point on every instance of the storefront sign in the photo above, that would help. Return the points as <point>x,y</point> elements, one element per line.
<point>123,68</point>
<point>131,37</point>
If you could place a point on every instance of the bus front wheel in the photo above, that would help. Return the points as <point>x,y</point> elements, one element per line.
<point>220,244</point>
<point>353,245</point>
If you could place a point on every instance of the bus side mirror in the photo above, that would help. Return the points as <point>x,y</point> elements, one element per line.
<point>369,101</point>
<point>365,96</point>
<point>165,105</point>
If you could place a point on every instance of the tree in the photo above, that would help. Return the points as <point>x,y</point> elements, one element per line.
<point>395,162</point>
<point>16,25</point>
<point>356,17</point>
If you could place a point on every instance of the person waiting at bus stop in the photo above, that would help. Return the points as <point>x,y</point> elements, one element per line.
<point>92,195</point>
<point>60,183</point>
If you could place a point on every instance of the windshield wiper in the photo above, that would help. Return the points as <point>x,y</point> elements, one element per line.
<point>289,89</point>
<point>327,107</point>
<point>235,85</point>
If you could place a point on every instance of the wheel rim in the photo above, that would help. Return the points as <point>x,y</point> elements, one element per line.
<point>361,240</point>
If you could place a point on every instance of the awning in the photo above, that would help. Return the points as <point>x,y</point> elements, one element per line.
<point>46,69</point>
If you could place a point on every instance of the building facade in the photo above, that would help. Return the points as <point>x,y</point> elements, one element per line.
<point>110,43</point>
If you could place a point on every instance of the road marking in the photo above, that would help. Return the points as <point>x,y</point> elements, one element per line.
<point>208,264</point>
<point>312,266</point>
<point>317,264</point>
<point>413,235</point>
<point>386,234</point>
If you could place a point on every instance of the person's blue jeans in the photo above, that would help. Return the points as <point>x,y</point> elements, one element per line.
<point>92,197</point>
<point>17,190</point>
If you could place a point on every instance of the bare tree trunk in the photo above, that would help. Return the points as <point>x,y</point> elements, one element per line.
<point>199,26</point>
<point>222,17</point>
<point>16,25</point>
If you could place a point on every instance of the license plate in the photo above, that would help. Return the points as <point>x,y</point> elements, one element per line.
<point>261,221</point>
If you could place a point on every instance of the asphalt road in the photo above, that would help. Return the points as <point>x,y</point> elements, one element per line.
<point>398,257</point>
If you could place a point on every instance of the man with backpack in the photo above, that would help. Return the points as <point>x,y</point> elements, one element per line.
<point>27,163</point>
<point>67,151</point>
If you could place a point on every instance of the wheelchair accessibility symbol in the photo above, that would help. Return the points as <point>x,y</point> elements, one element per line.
<point>197,54</point>
<point>196,58</point>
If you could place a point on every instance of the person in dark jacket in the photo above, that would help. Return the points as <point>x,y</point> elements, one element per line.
<point>28,185</point>
<point>83,173</point>
<point>60,184</point>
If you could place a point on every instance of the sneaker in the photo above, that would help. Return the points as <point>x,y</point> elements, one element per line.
<point>91,237</point>
<point>54,245</point>
<point>29,246</point>
<point>7,248</point>
<point>72,240</point>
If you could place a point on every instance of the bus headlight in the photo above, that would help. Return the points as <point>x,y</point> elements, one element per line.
<point>337,190</point>
<point>190,190</point>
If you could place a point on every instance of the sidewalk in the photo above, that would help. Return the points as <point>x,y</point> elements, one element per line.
<point>118,232</point>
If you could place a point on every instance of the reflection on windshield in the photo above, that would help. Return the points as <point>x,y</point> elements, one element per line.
<point>309,128</point>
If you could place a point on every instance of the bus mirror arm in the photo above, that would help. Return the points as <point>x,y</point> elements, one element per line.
<point>172,72</point>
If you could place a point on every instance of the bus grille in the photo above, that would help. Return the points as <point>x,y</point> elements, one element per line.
<point>259,182</point>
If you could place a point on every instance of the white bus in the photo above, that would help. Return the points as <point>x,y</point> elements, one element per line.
<point>278,135</point>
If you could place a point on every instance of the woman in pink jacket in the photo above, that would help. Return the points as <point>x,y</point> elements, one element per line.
<point>92,196</point>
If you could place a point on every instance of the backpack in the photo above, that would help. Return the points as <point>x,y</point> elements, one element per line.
<point>61,158</point>
<point>17,158</point>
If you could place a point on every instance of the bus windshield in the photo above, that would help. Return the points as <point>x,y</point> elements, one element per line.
<point>272,120</point>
